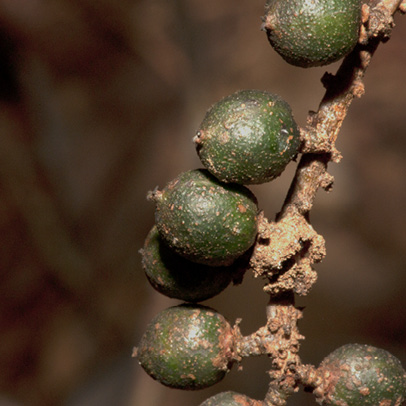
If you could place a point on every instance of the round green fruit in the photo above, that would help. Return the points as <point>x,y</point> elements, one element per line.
<point>248,137</point>
<point>204,220</point>
<point>178,278</point>
<point>230,398</point>
<point>361,375</point>
<point>187,347</point>
<point>310,33</point>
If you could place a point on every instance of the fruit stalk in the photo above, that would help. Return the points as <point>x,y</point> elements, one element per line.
<point>323,126</point>
<point>288,265</point>
<point>318,150</point>
<point>279,340</point>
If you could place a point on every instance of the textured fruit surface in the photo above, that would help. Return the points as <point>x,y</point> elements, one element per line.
<point>230,398</point>
<point>361,375</point>
<point>187,347</point>
<point>248,137</point>
<point>204,220</point>
<point>179,278</point>
<point>312,32</point>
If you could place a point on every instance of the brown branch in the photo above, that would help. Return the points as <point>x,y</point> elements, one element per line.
<point>279,340</point>
<point>287,249</point>
<point>323,126</point>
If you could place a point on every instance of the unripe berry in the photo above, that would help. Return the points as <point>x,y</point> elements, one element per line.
<point>361,375</point>
<point>312,32</point>
<point>187,347</point>
<point>178,278</point>
<point>248,137</point>
<point>231,398</point>
<point>204,220</point>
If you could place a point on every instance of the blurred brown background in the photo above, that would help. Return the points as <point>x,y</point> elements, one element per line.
<point>99,103</point>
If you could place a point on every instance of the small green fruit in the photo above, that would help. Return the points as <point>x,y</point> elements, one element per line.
<point>187,347</point>
<point>204,220</point>
<point>361,375</point>
<point>248,137</point>
<point>178,278</point>
<point>230,398</point>
<point>312,32</point>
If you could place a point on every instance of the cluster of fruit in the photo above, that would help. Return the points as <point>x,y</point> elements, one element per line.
<point>206,223</point>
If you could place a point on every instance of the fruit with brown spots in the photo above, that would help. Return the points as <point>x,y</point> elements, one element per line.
<point>187,347</point>
<point>204,220</point>
<point>248,137</point>
<point>361,375</point>
<point>310,33</point>
<point>230,398</point>
<point>179,278</point>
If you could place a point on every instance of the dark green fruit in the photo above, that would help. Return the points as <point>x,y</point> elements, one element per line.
<point>204,220</point>
<point>312,32</point>
<point>248,137</point>
<point>187,347</point>
<point>178,278</point>
<point>361,375</point>
<point>230,398</point>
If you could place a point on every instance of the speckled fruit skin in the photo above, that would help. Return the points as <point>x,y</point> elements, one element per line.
<point>187,347</point>
<point>230,398</point>
<point>178,278</point>
<point>248,137</point>
<point>361,375</point>
<point>204,220</point>
<point>310,33</point>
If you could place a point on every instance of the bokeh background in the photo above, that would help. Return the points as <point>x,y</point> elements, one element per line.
<point>99,101</point>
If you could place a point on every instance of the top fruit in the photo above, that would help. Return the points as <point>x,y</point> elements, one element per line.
<point>361,375</point>
<point>310,33</point>
<point>248,137</point>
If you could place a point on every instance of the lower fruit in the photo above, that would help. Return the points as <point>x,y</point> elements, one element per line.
<point>179,278</point>
<point>187,347</point>
<point>231,398</point>
<point>361,375</point>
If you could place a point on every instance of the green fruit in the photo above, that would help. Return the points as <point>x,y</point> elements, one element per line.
<point>187,347</point>
<point>361,375</point>
<point>248,137</point>
<point>204,220</point>
<point>312,32</point>
<point>178,278</point>
<point>230,398</point>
